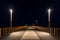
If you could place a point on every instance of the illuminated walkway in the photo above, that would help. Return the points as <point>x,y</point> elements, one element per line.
<point>29,35</point>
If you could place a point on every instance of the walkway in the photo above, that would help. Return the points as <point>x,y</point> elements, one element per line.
<point>29,35</point>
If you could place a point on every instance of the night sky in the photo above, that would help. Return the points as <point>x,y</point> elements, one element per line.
<point>26,12</point>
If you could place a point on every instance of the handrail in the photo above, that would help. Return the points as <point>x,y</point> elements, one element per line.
<point>53,31</point>
<point>6,31</point>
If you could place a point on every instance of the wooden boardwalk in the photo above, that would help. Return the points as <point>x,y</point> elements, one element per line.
<point>29,35</point>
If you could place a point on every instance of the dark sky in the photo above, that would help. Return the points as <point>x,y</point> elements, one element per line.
<point>26,12</point>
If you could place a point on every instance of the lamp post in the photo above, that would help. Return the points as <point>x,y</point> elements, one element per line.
<point>49,11</point>
<point>36,21</point>
<point>11,11</point>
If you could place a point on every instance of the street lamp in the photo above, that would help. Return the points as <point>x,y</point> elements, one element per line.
<point>49,11</point>
<point>11,11</point>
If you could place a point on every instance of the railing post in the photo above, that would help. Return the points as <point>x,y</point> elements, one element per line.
<point>50,29</point>
<point>57,32</point>
<point>5,31</point>
<point>9,30</point>
<point>0,32</point>
<point>54,32</point>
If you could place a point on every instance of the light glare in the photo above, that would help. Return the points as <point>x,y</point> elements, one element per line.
<point>49,10</point>
<point>11,10</point>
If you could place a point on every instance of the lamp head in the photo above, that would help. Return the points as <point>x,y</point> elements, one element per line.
<point>49,10</point>
<point>11,10</point>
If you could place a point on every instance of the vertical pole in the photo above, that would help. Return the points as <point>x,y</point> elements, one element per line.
<point>0,32</point>
<point>54,32</point>
<point>49,20</point>
<point>36,22</point>
<point>11,20</point>
<point>57,32</point>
